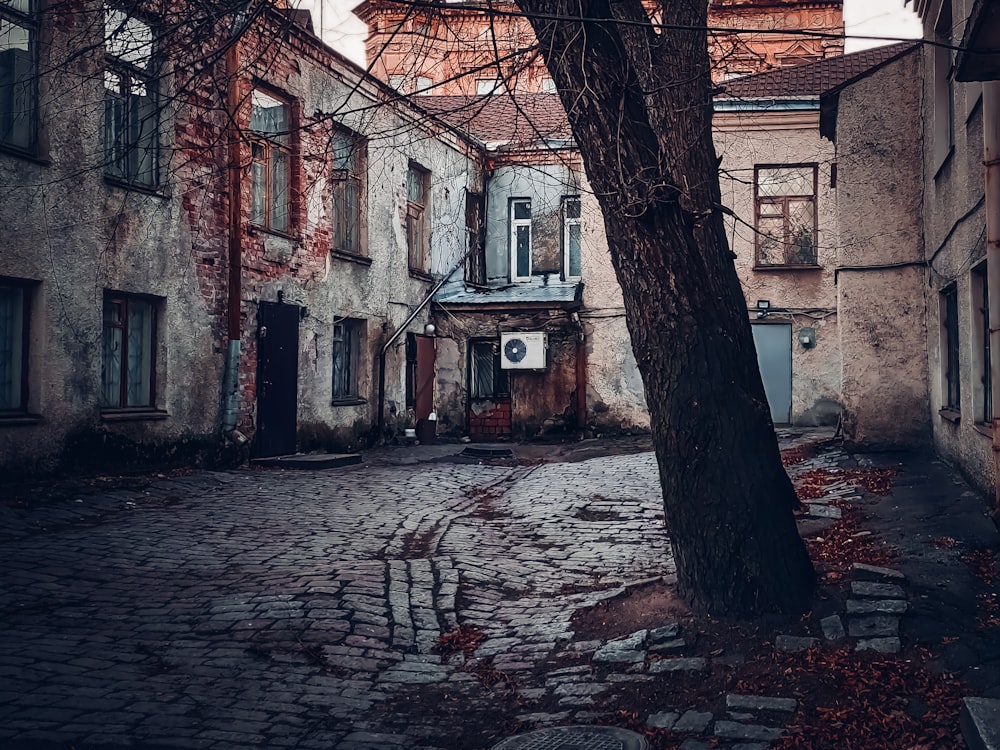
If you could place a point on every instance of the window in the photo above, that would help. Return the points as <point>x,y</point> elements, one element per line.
<point>548,86</point>
<point>18,74</point>
<point>14,300</point>
<point>411,370</point>
<point>271,162</point>
<point>475,261</point>
<point>417,189</point>
<point>981,328</point>
<point>127,357</point>
<point>347,335</point>
<point>486,378</point>
<point>949,347</point>
<point>131,128</point>
<point>520,239</point>
<point>785,199</point>
<point>571,237</point>
<point>486,86</point>
<point>349,157</point>
<point>944,93</point>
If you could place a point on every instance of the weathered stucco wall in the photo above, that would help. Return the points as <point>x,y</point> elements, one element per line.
<point>954,248</point>
<point>801,297</point>
<point>881,284</point>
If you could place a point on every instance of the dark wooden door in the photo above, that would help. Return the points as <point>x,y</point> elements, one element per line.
<point>277,378</point>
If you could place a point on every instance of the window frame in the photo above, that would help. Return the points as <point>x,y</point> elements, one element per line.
<point>341,180</point>
<point>349,342</point>
<point>942,57</point>
<point>514,225</point>
<point>785,201</point>
<point>416,225</point>
<point>951,382</point>
<point>270,144</point>
<point>126,167</point>
<point>569,222</point>
<point>20,345</point>
<point>499,379</point>
<point>475,239</point>
<point>152,344</point>
<point>29,21</point>
<point>981,338</point>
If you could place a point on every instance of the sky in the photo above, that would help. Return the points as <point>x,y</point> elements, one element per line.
<point>346,33</point>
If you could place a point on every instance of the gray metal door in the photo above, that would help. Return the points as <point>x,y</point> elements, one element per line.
<point>774,357</point>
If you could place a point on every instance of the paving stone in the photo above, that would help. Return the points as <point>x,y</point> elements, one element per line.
<point>869,626</point>
<point>623,650</point>
<point>761,702</point>
<point>865,572</point>
<point>664,633</point>
<point>980,721</point>
<point>882,645</point>
<point>694,722</point>
<point>794,643</point>
<point>664,720</point>
<point>680,664</point>
<point>833,628</point>
<point>872,606</point>
<point>750,746</point>
<point>823,511</point>
<point>733,730</point>
<point>692,744</point>
<point>670,646</point>
<point>880,590</point>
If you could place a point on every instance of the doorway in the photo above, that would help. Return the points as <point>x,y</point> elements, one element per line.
<point>774,357</point>
<point>277,378</point>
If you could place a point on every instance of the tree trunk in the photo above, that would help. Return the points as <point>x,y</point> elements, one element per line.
<point>640,105</point>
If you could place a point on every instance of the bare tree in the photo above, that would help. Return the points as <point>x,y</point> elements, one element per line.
<point>639,100</point>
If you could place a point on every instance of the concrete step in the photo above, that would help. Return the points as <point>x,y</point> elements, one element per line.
<point>981,723</point>
<point>309,461</point>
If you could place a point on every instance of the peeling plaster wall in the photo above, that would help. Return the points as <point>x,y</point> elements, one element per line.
<point>954,245</point>
<point>804,298</point>
<point>883,311</point>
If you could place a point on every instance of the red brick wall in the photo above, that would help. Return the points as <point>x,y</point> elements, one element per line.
<point>490,425</point>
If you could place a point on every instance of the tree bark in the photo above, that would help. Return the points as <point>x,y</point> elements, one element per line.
<point>639,102</point>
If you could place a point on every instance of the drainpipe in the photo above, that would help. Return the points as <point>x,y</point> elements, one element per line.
<point>581,374</point>
<point>991,162</point>
<point>399,332</point>
<point>231,380</point>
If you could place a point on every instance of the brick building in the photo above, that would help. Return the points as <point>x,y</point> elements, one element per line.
<point>478,47</point>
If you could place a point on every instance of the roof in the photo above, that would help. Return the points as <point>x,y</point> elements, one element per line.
<point>535,292</point>
<point>812,79</point>
<point>504,118</point>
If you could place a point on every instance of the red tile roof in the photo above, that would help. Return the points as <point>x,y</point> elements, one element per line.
<point>812,79</point>
<point>513,119</point>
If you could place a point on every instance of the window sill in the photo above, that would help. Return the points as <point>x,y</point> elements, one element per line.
<point>362,260</point>
<point>983,428</point>
<point>133,187</point>
<point>26,155</point>
<point>944,162</point>
<point>416,273</point>
<point>19,419</point>
<point>258,229</point>
<point>789,267</point>
<point>132,415</point>
<point>950,415</point>
<point>350,401</point>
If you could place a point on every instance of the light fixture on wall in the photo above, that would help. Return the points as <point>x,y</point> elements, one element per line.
<point>429,329</point>
<point>763,308</point>
<point>807,337</point>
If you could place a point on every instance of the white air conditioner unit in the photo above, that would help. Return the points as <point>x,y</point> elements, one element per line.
<point>523,351</point>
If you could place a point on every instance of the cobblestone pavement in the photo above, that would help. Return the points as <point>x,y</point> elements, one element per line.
<point>282,609</point>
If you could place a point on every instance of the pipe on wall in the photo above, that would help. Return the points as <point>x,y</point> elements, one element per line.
<point>991,162</point>
<point>231,378</point>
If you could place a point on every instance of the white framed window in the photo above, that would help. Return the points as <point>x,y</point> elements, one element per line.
<point>486,86</point>
<point>572,265</point>
<point>520,239</point>
<point>548,86</point>
<point>131,116</point>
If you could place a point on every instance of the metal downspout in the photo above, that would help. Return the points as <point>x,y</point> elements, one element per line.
<point>231,380</point>
<point>991,161</point>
